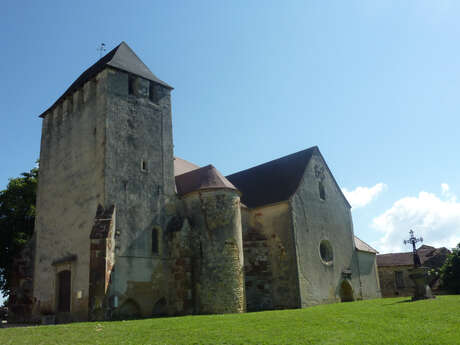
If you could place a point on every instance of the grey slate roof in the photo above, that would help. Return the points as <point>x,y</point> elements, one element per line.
<point>362,246</point>
<point>122,57</point>
<point>274,181</point>
<point>203,178</point>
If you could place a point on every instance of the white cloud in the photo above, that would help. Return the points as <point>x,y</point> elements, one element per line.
<point>445,191</point>
<point>435,219</point>
<point>445,188</point>
<point>361,196</point>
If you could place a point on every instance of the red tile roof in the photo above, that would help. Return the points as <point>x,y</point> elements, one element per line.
<point>203,178</point>
<point>429,256</point>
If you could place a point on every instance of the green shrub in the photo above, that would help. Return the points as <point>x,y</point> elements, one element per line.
<point>450,271</point>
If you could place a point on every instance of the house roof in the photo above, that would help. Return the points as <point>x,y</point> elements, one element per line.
<point>362,246</point>
<point>276,180</point>
<point>203,178</point>
<point>395,259</point>
<point>429,256</point>
<point>181,166</point>
<point>122,57</point>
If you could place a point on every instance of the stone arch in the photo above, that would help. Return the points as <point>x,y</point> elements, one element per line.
<point>130,310</point>
<point>346,291</point>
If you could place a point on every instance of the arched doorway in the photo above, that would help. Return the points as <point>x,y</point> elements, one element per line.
<point>346,291</point>
<point>64,292</point>
<point>129,310</point>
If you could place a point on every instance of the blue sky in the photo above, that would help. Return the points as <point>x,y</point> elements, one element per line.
<point>375,84</point>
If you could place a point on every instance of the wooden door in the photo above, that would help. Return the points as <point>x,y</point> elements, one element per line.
<point>64,292</point>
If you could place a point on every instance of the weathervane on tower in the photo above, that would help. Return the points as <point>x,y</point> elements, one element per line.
<point>101,49</point>
<point>412,240</point>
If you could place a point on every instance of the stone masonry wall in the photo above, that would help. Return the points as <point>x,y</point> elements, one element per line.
<point>102,246</point>
<point>388,282</point>
<point>318,219</point>
<point>269,259</point>
<point>140,182</point>
<point>217,245</point>
<point>70,186</point>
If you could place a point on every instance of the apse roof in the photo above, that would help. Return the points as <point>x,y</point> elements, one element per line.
<point>203,178</point>
<point>122,57</point>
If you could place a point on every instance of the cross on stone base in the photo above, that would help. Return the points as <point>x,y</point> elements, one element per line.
<point>418,274</point>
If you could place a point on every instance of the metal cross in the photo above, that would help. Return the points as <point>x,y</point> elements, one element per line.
<point>412,240</point>
<point>101,49</point>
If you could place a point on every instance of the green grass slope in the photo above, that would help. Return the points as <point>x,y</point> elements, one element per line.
<point>383,321</point>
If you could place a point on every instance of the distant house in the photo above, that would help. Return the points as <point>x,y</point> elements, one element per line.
<point>394,268</point>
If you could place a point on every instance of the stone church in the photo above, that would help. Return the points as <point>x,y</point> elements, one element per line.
<point>124,229</point>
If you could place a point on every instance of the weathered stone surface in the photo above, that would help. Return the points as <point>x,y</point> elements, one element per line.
<point>269,259</point>
<point>70,186</point>
<point>318,218</point>
<point>102,260</point>
<point>218,251</point>
<point>107,146</point>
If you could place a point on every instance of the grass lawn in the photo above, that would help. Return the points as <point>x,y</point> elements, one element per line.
<point>382,321</point>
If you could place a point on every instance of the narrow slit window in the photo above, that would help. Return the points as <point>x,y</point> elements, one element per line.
<point>143,165</point>
<point>155,242</point>
<point>322,192</point>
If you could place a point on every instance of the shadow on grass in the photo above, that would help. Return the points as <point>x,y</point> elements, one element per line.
<point>398,302</point>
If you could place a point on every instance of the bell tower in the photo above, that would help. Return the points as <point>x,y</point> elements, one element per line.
<point>106,144</point>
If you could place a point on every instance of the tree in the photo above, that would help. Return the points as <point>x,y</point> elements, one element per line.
<point>450,271</point>
<point>17,217</point>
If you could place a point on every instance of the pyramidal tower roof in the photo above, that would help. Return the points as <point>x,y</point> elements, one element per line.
<point>121,57</point>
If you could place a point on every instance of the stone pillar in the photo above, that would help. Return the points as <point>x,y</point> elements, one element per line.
<point>421,288</point>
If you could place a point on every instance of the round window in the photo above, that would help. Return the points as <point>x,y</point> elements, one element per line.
<point>325,250</point>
